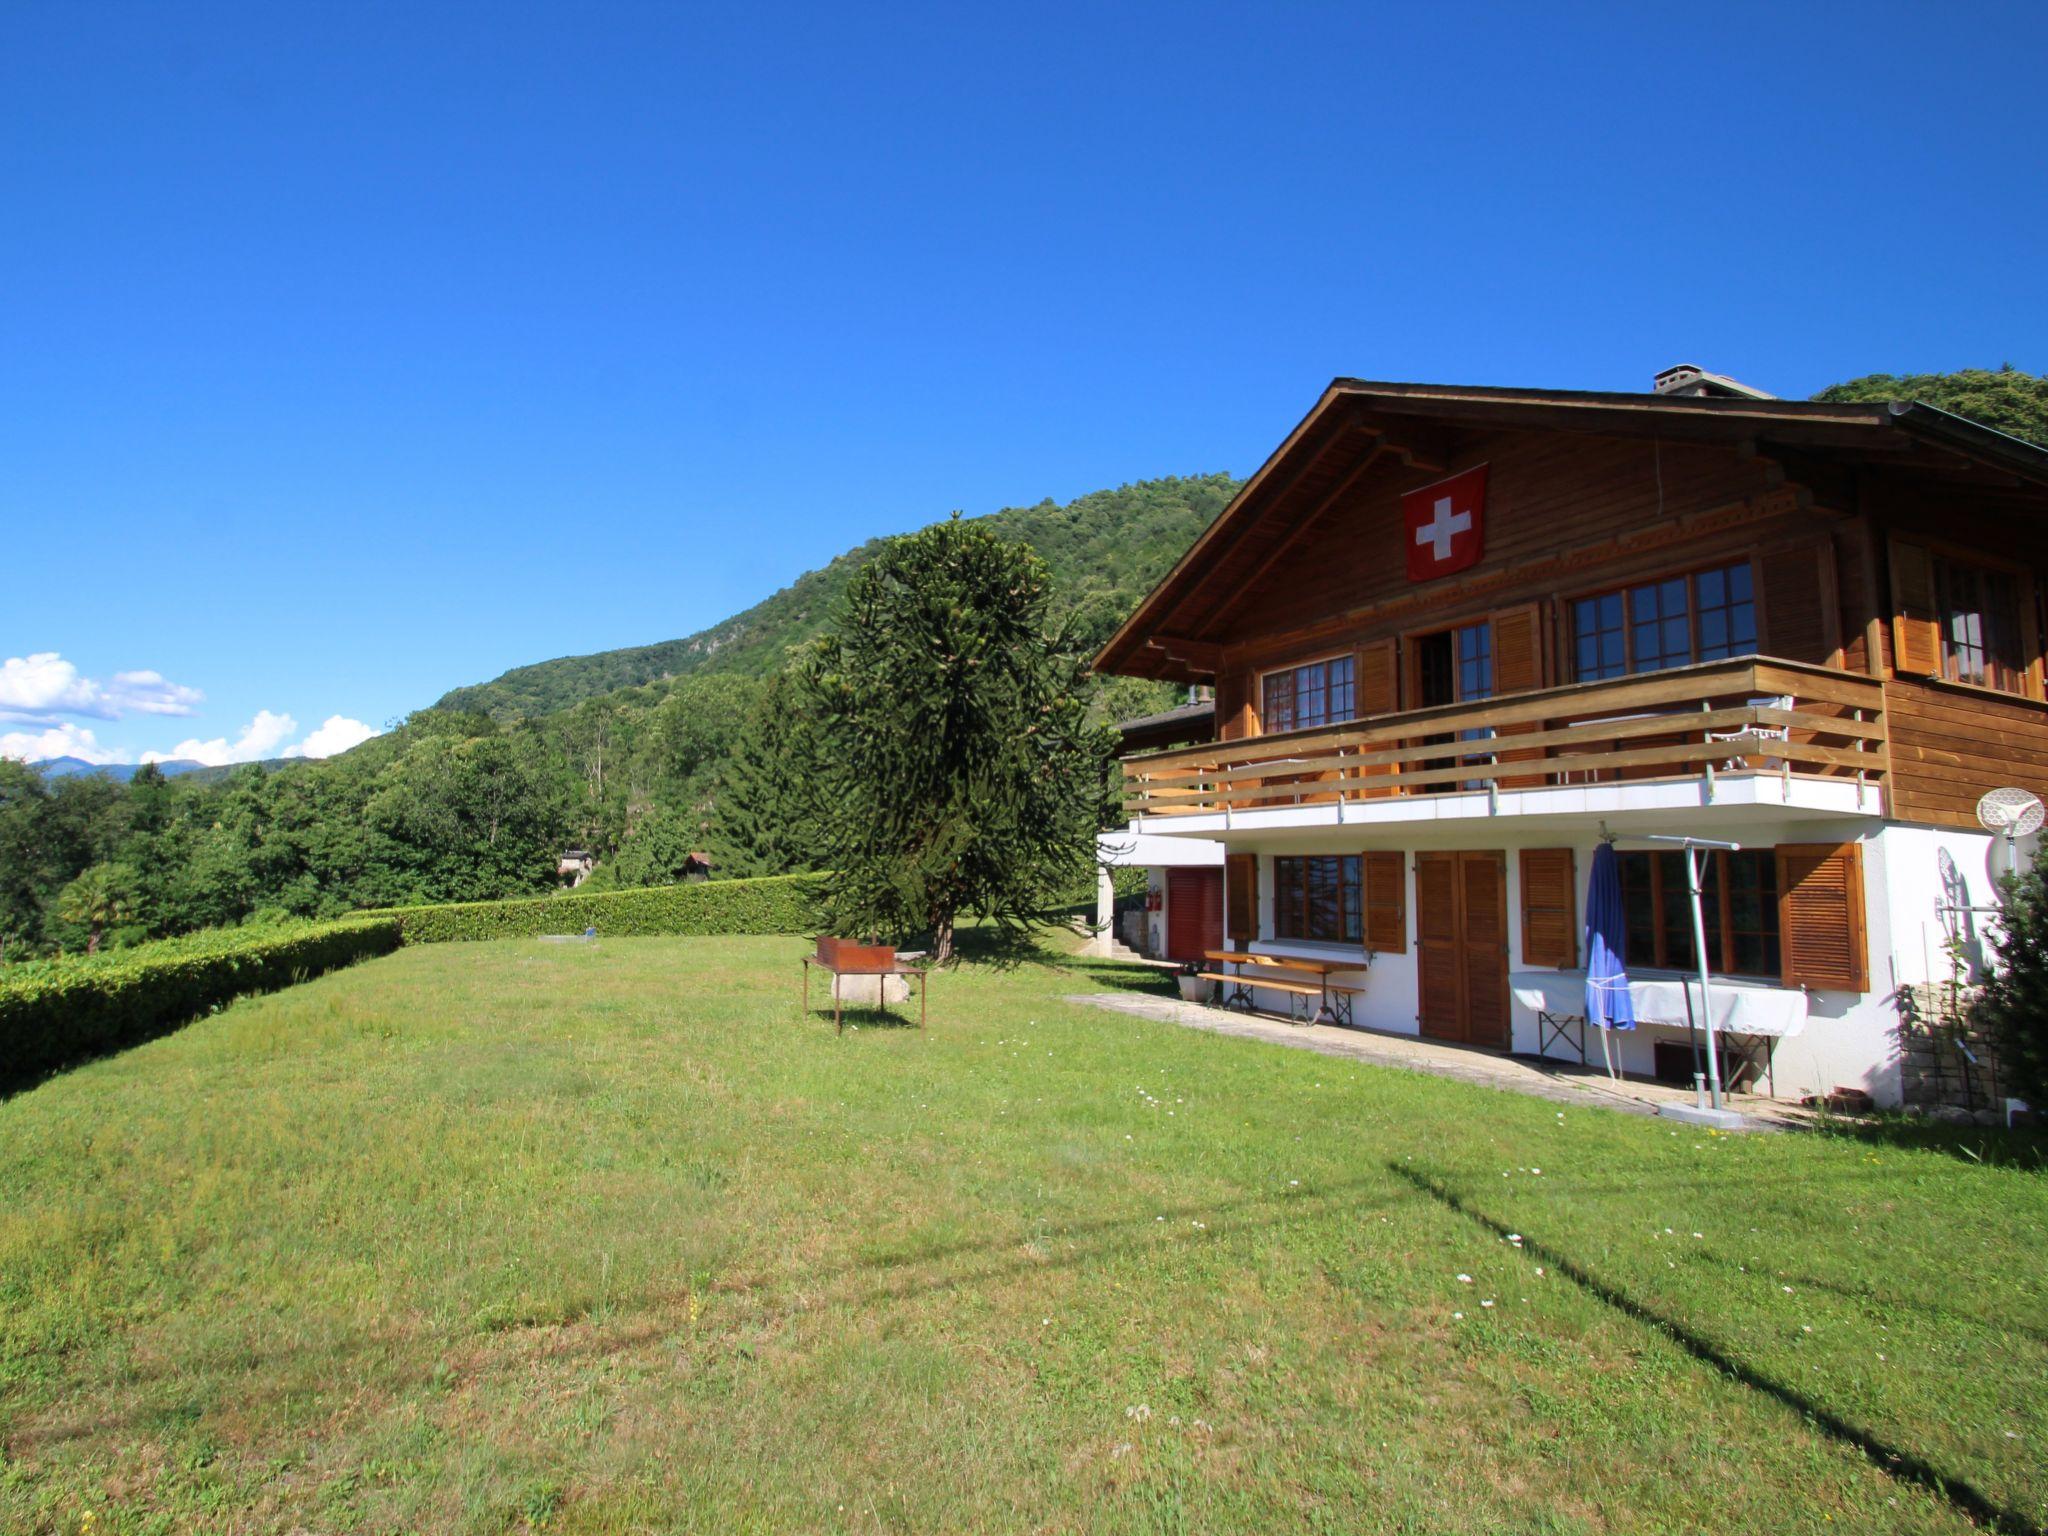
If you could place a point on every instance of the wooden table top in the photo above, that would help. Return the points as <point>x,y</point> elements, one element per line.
<point>1313,967</point>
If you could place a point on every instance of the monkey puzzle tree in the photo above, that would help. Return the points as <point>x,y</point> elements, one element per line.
<point>961,773</point>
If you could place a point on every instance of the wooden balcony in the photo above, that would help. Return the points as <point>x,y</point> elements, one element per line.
<point>1747,716</point>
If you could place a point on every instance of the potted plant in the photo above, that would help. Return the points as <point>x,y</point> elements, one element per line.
<point>1194,986</point>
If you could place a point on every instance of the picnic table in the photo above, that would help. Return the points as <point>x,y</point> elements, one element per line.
<point>836,967</point>
<point>1287,974</point>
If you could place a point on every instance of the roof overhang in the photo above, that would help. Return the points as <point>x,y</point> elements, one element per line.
<point>1358,423</point>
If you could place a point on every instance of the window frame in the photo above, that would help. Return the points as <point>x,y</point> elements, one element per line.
<point>1351,902</point>
<point>1721,933</point>
<point>1944,558</point>
<point>1267,728</point>
<point>1623,591</point>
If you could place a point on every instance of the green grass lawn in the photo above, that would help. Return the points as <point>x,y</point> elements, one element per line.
<point>488,1237</point>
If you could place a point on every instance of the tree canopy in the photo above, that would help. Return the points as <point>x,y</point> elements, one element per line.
<point>2015,403</point>
<point>960,771</point>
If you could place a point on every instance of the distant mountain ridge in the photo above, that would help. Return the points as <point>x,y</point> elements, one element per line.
<point>1105,549</point>
<point>121,773</point>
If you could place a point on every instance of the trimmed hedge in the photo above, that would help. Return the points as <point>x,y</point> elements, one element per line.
<point>777,904</point>
<point>54,1012</point>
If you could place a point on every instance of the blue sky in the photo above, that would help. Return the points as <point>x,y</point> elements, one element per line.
<point>353,352</point>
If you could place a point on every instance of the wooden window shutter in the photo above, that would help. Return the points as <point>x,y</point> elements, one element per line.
<point>1518,668</point>
<point>1821,933</point>
<point>1916,630</point>
<point>1377,680</point>
<point>1800,617</point>
<point>1518,649</point>
<point>1241,898</point>
<point>1550,928</point>
<point>1386,903</point>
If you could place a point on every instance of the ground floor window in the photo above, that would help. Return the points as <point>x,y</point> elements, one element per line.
<point>1320,896</point>
<point>1738,908</point>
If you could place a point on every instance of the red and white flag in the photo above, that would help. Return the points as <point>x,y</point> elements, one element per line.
<point>1446,525</point>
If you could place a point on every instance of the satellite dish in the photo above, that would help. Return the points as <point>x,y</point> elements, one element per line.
<point>2015,812</point>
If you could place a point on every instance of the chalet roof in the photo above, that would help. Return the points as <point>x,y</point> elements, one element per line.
<point>1418,422</point>
<point>1170,727</point>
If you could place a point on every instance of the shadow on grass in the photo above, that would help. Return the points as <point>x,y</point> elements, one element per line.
<point>1109,975</point>
<point>1891,1460</point>
<point>1987,1146</point>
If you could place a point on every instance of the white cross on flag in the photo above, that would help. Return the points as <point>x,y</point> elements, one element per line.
<point>1446,525</point>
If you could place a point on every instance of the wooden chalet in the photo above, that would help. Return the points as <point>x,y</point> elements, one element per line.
<point>1458,635</point>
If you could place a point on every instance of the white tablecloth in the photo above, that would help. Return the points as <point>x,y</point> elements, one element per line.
<point>1740,1007</point>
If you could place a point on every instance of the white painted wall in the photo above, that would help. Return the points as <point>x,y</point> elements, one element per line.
<point>1849,1039</point>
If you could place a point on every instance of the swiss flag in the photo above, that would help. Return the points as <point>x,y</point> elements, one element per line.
<point>1445,524</point>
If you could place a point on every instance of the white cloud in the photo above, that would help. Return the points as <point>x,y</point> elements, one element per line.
<point>150,693</point>
<point>260,738</point>
<point>37,688</point>
<point>336,734</point>
<point>58,741</point>
<point>44,683</point>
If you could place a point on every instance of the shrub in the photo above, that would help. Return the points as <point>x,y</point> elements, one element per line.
<point>54,1012</point>
<point>777,904</point>
<point>2013,1005</point>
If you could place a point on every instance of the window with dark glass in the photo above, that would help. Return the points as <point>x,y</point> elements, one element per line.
<point>1980,630</point>
<point>1738,910</point>
<point>1318,896</point>
<point>1671,622</point>
<point>1301,698</point>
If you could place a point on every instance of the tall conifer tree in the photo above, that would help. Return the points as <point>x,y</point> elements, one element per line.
<point>961,773</point>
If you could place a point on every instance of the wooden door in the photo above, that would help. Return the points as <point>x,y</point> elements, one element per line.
<point>1438,963</point>
<point>1194,912</point>
<point>1461,905</point>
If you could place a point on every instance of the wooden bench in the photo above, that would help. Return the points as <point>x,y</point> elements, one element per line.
<point>1278,973</point>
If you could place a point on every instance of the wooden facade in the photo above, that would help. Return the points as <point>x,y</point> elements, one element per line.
<point>1851,526</point>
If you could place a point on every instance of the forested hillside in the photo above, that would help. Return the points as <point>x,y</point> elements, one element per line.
<point>1106,550</point>
<point>625,752</point>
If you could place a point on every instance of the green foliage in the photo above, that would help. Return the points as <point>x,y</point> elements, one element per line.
<point>959,773</point>
<point>2013,1005</point>
<point>54,1012</point>
<point>1105,551</point>
<point>101,896</point>
<point>764,821</point>
<point>788,904</point>
<point>2015,403</point>
<point>658,852</point>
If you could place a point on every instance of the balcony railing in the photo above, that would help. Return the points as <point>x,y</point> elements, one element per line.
<point>1750,715</point>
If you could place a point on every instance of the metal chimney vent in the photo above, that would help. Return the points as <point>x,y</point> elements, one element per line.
<point>1691,379</point>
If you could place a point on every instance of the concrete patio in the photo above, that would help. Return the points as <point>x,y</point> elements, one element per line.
<point>1558,1081</point>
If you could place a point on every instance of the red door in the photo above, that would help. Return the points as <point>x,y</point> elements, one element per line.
<point>1194,912</point>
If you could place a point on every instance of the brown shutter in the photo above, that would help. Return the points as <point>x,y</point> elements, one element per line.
<point>1241,899</point>
<point>1550,929</point>
<point>1820,916</point>
<point>1799,618</point>
<point>1518,668</point>
<point>1518,649</point>
<point>1916,628</point>
<point>1378,682</point>
<point>1386,903</point>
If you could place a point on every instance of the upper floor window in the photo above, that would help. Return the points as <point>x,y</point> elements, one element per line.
<point>1301,698</point>
<point>1672,622</point>
<point>1979,612</point>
